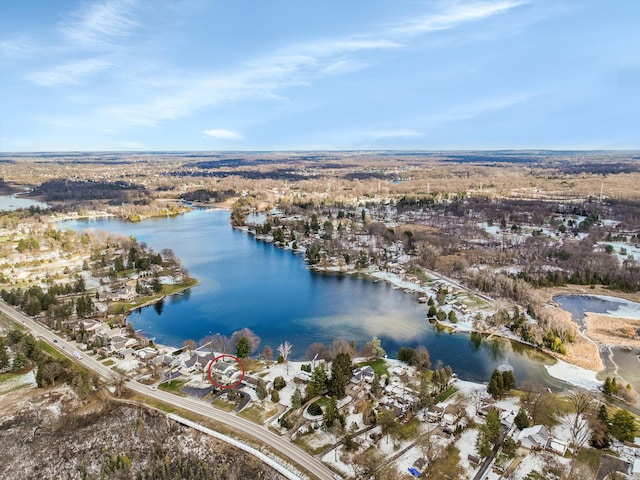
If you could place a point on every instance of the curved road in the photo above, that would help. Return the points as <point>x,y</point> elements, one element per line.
<point>260,433</point>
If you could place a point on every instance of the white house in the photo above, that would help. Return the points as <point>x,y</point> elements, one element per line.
<point>363,374</point>
<point>534,438</point>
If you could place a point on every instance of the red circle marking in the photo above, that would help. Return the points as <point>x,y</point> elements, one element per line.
<point>220,357</point>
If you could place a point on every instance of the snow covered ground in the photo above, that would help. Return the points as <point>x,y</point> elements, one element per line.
<point>578,376</point>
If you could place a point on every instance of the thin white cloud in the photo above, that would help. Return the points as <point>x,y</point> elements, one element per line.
<point>477,108</point>
<point>15,48</point>
<point>222,134</point>
<point>69,73</point>
<point>261,78</point>
<point>102,24</point>
<point>265,77</point>
<point>456,14</point>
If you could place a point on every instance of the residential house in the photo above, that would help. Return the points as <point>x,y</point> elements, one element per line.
<point>535,438</point>
<point>302,377</point>
<point>434,413</point>
<point>557,446</point>
<point>193,364</point>
<point>365,373</point>
<point>225,373</point>
<point>146,354</point>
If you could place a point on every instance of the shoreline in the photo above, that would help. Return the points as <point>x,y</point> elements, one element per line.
<point>150,302</point>
<point>579,367</point>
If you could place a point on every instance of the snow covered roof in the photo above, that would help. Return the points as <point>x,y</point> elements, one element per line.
<point>536,436</point>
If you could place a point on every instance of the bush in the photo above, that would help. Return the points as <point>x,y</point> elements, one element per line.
<point>275,396</point>
<point>280,359</point>
<point>314,409</point>
<point>279,383</point>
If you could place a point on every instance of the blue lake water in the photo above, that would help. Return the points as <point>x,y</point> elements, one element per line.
<point>13,202</point>
<point>248,283</point>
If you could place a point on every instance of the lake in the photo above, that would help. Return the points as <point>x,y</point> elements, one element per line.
<point>14,202</point>
<point>248,283</point>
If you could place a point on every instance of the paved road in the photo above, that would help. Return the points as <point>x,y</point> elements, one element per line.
<point>260,433</point>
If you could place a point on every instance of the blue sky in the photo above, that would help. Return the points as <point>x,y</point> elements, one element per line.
<point>319,74</point>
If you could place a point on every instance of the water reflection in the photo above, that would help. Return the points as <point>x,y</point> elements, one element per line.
<point>475,340</point>
<point>159,307</point>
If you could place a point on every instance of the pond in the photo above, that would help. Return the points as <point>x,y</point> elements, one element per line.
<point>622,361</point>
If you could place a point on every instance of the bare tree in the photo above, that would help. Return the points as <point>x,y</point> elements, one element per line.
<point>582,402</point>
<point>285,350</point>
<point>189,345</point>
<point>218,343</point>
<point>267,353</point>
<point>534,399</point>
<point>254,340</point>
<point>319,349</point>
<point>340,345</point>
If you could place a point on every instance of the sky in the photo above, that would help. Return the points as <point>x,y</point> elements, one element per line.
<point>125,75</point>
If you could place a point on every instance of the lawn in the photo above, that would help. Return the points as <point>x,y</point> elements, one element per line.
<point>50,350</point>
<point>7,377</point>
<point>379,366</point>
<point>473,302</point>
<point>409,429</point>
<point>224,405</point>
<point>590,457</point>
<point>122,307</point>
<point>257,413</point>
<point>108,363</point>
<point>173,386</point>
<point>446,394</point>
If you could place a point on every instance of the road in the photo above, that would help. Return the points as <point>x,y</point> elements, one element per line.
<point>258,432</point>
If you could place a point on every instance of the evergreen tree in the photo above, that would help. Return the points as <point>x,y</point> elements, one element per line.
<point>489,433</point>
<point>337,384</point>
<point>20,361</point>
<point>508,380</point>
<point>279,383</point>
<point>522,419</point>
<point>623,426</point>
<point>296,399</point>
<point>275,396</point>
<point>495,384</point>
<point>331,413</point>
<point>376,389</point>
<point>318,382</point>
<point>600,430</point>
<point>4,356</point>
<point>243,348</point>
<point>156,286</point>
<point>261,389</point>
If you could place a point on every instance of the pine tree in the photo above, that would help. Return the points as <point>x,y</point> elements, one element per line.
<point>600,430</point>
<point>4,356</point>
<point>296,399</point>
<point>607,386</point>
<point>261,389</point>
<point>521,420</point>
<point>508,380</point>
